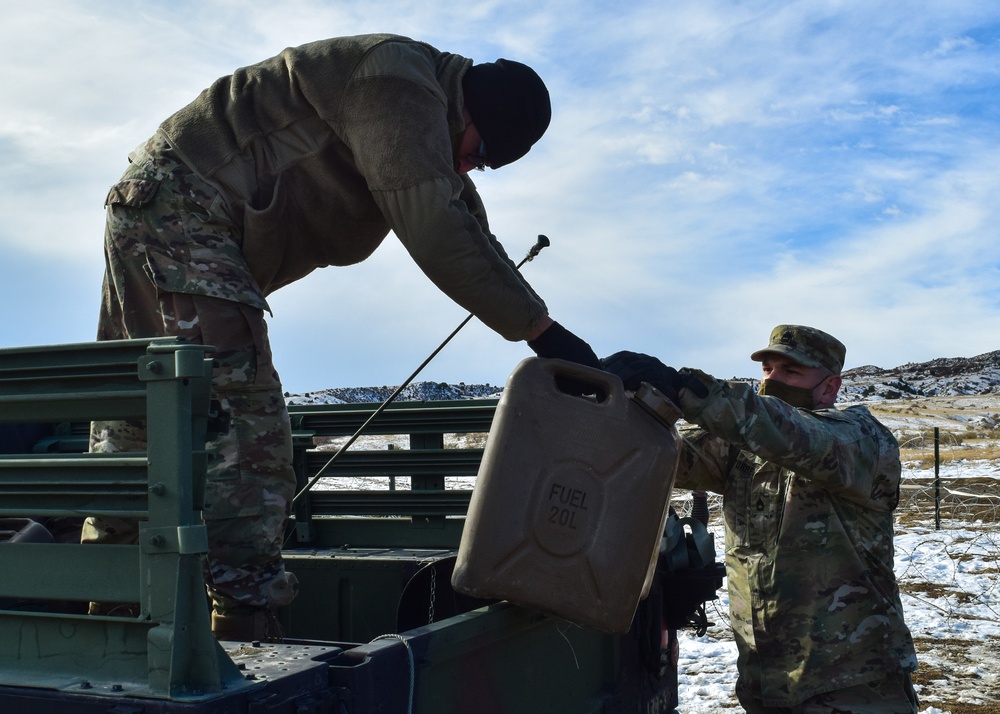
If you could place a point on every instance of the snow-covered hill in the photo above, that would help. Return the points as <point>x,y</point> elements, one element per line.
<point>418,391</point>
<point>947,376</point>
<point>943,377</point>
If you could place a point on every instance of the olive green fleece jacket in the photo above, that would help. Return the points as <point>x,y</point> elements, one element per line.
<point>322,150</point>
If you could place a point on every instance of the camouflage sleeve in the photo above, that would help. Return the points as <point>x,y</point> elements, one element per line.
<point>849,451</point>
<point>703,460</point>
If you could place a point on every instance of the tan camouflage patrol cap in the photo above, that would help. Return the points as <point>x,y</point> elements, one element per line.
<point>805,345</point>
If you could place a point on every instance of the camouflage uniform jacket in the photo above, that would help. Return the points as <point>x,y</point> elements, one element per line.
<point>808,498</point>
<point>322,150</point>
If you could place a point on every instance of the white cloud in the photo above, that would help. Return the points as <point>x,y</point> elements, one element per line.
<point>712,169</point>
<point>950,45</point>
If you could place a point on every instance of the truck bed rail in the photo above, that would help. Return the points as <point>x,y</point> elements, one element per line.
<point>168,650</point>
<point>428,512</point>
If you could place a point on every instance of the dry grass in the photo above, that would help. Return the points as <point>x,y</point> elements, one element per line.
<point>922,456</point>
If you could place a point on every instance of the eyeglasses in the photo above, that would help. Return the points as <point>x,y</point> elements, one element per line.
<point>478,159</point>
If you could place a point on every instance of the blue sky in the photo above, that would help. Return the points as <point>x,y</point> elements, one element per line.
<point>713,168</point>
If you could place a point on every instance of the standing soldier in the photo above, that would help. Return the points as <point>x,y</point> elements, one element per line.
<point>306,160</point>
<point>808,496</point>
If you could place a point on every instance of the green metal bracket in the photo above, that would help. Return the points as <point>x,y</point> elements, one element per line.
<point>168,652</point>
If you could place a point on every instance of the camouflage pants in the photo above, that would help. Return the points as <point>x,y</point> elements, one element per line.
<point>892,695</point>
<point>174,268</point>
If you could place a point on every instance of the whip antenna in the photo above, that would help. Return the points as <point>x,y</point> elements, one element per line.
<point>542,242</point>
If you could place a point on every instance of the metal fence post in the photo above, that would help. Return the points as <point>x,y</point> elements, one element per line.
<point>937,478</point>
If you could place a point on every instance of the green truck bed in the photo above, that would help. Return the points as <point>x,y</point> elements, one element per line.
<point>377,626</point>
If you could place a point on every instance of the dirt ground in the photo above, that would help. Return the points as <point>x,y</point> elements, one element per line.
<point>947,683</point>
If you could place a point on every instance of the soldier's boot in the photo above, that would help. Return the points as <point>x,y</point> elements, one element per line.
<point>284,589</point>
<point>114,609</point>
<point>251,624</point>
<point>242,623</point>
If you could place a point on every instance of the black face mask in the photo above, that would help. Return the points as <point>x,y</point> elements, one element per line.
<point>798,397</point>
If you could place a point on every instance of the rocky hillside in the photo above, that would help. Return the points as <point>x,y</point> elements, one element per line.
<point>943,377</point>
<point>416,392</point>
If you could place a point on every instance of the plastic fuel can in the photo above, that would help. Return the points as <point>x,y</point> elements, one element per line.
<point>572,496</point>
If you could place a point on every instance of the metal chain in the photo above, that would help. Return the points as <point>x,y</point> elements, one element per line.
<point>430,606</point>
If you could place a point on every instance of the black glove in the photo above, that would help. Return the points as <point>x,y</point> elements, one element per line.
<point>559,343</point>
<point>634,368</point>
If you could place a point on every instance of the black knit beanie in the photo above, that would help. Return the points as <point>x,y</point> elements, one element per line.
<point>510,107</point>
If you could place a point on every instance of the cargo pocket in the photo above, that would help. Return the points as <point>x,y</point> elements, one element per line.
<point>251,467</point>
<point>263,244</point>
<point>184,249</point>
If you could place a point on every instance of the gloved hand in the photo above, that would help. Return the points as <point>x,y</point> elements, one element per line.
<point>559,343</point>
<point>634,368</point>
